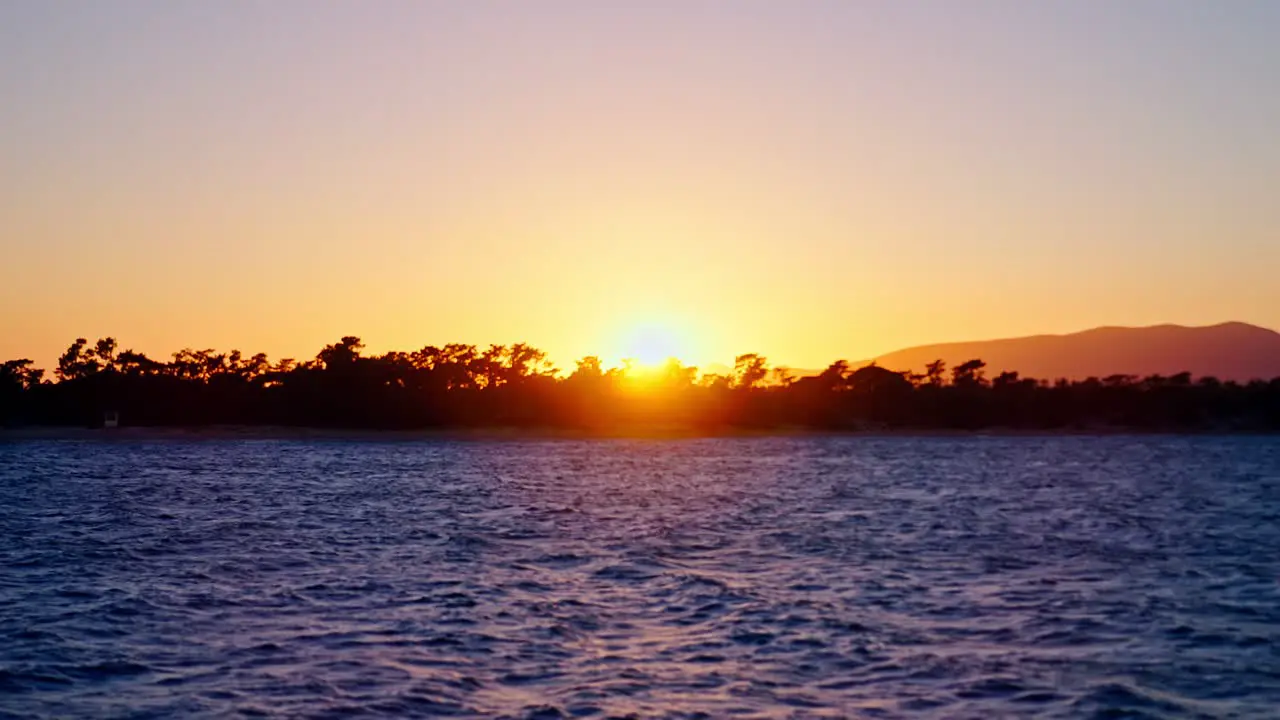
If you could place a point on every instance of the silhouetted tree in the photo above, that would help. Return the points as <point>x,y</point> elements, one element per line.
<point>1005,379</point>
<point>589,370</point>
<point>136,363</point>
<point>873,377</point>
<point>968,373</point>
<point>75,363</point>
<point>104,352</point>
<point>782,377</point>
<point>343,353</point>
<point>933,372</point>
<point>458,385</point>
<point>715,381</point>
<point>20,374</point>
<point>749,370</point>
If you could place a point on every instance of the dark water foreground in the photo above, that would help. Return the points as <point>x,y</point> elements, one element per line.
<point>895,577</point>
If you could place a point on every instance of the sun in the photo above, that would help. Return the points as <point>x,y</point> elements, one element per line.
<point>651,344</point>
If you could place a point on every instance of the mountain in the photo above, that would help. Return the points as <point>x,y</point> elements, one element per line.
<point>1230,351</point>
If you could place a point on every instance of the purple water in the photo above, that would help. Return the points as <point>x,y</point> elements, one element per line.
<point>1066,577</point>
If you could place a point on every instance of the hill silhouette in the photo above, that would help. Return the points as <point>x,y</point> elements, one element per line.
<point>1229,351</point>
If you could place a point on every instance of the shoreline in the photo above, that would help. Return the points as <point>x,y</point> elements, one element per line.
<point>508,434</point>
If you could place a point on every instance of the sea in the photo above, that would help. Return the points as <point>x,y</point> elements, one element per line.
<point>790,577</point>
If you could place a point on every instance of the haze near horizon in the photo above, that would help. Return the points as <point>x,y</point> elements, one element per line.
<point>808,181</point>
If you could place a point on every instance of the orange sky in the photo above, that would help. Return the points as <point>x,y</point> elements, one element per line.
<point>808,180</point>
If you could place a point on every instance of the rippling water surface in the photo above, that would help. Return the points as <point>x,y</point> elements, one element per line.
<point>902,577</point>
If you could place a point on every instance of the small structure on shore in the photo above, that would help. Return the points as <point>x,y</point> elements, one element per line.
<point>111,419</point>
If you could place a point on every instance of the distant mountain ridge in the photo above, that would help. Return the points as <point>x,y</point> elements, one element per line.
<point>1228,351</point>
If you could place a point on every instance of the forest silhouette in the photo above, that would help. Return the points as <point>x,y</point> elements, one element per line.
<point>460,386</point>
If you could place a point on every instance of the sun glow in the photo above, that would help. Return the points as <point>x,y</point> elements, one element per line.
<point>650,345</point>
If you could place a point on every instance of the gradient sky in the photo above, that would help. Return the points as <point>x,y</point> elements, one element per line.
<point>810,180</point>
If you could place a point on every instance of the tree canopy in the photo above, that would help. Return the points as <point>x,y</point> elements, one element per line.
<point>461,386</point>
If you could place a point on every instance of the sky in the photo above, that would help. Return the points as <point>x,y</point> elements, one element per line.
<point>810,180</point>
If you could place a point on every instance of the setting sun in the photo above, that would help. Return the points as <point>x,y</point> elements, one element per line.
<point>650,344</point>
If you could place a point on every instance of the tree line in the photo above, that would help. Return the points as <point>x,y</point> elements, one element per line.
<point>464,386</point>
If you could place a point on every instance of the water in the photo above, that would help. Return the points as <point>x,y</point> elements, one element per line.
<point>899,577</point>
